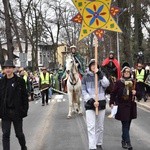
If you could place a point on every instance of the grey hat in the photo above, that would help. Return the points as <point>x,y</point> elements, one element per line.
<point>73,46</point>
<point>124,68</point>
<point>8,63</point>
<point>111,52</point>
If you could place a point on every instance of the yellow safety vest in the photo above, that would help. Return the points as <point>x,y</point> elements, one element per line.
<point>46,79</point>
<point>140,76</point>
<point>25,78</point>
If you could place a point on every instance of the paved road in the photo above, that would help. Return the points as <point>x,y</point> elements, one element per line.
<point>47,128</point>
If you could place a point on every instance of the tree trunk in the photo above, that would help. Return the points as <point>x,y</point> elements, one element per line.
<point>1,55</point>
<point>15,29</point>
<point>137,25</point>
<point>124,23</point>
<point>10,47</point>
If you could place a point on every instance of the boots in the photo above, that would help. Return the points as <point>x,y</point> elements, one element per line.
<point>124,144</point>
<point>99,147</point>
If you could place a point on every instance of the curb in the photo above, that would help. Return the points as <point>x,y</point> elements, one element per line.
<point>143,105</point>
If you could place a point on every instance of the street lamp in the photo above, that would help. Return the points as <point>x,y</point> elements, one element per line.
<point>118,46</point>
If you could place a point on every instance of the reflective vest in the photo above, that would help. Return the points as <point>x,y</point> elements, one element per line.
<point>25,77</point>
<point>140,76</point>
<point>46,79</point>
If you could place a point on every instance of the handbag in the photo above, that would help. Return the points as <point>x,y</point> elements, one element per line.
<point>133,110</point>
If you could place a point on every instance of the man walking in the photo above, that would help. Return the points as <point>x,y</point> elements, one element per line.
<point>140,76</point>
<point>13,105</point>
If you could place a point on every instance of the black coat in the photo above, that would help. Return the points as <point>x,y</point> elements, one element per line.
<point>20,97</point>
<point>127,109</point>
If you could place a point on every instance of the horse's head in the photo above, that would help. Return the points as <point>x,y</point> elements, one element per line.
<point>69,63</point>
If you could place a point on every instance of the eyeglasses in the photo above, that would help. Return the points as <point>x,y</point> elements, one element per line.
<point>126,71</point>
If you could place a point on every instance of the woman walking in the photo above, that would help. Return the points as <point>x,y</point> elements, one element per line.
<point>123,96</point>
<point>95,123</point>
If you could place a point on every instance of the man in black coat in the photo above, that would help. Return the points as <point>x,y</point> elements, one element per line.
<point>13,105</point>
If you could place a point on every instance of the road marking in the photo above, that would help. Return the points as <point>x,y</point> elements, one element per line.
<point>59,100</point>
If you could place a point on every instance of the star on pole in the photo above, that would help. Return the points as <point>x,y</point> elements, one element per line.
<point>96,15</point>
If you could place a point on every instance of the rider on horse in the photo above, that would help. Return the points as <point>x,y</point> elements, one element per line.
<point>79,60</point>
<point>112,66</point>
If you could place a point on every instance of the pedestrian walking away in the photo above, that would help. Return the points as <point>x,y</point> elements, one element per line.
<point>123,95</point>
<point>13,105</point>
<point>95,123</point>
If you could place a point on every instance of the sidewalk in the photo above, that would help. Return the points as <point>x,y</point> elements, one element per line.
<point>143,104</point>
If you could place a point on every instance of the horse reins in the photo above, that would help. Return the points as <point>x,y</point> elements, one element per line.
<point>72,75</point>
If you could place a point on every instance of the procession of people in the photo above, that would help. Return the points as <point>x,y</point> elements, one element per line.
<point>129,86</point>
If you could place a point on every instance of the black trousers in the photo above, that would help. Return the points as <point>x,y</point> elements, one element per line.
<point>45,92</point>
<point>6,128</point>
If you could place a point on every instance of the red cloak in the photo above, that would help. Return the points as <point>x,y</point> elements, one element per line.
<point>107,60</point>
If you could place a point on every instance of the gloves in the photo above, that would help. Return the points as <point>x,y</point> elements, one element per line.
<point>100,74</point>
<point>91,101</point>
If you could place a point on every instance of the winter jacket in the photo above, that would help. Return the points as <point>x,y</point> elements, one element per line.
<point>126,106</point>
<point>20,97</point>
<point>88,90</point>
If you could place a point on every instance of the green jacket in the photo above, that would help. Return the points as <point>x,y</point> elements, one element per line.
<point>78,60</point>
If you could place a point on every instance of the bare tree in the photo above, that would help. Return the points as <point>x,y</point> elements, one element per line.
<point>8,29</point>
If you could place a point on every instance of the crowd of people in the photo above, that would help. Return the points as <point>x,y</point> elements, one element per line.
<point>126,85</point>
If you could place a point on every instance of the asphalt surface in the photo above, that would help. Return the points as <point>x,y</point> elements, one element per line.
<point>47,128</point>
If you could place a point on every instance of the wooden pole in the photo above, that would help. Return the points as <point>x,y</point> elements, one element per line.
<point>96,76</point>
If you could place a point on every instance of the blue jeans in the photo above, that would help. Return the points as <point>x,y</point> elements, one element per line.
<point>125,130</point>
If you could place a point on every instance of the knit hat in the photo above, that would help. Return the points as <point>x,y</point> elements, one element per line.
<point>44,68</point>
<point>124,68</point>
<point>8,63</point>
<point>92,61</point>
<point>73,46</point>
<point>125,65</point>
<point>111,52</point>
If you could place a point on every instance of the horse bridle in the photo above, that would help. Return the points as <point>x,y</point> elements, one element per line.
<point>72,77</point>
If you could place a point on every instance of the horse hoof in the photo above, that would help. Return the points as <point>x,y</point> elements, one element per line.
<point>73,112</point>
<point>68,117</point>
<point>81,114</point>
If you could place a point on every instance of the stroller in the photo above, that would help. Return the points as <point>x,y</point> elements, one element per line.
<point>36,91</point>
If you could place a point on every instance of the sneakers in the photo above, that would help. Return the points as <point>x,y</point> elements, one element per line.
<point>145,99</point>
<point>129,146</point>
<point>124,144</point>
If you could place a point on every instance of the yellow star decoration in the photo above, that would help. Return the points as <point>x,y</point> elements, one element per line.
<point>96,15</point>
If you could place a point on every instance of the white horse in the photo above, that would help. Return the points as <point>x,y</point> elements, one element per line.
<point>73,86</point>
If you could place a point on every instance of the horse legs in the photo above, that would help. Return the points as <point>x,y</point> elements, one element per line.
<point>70,105</point>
